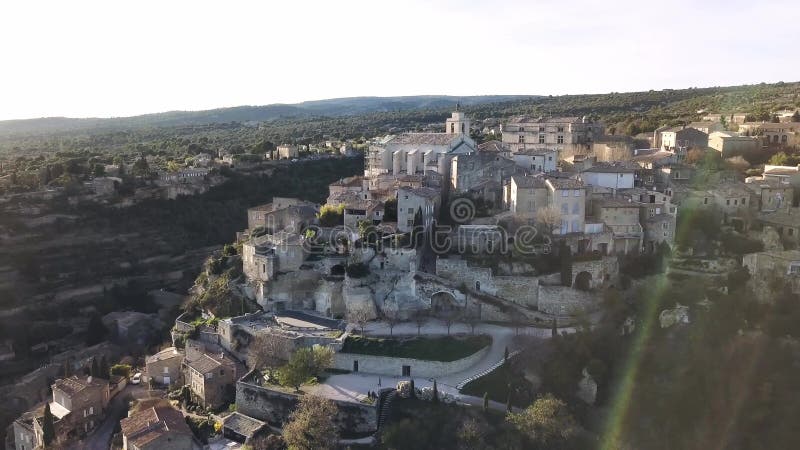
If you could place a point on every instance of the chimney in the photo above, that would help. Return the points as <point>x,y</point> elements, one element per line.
<point>89,379</point>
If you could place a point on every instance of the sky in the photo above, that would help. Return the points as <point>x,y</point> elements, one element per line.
<point>83,58</point>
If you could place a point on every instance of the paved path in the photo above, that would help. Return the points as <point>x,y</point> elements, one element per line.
<point>100,438</point>
<point>354,386</point>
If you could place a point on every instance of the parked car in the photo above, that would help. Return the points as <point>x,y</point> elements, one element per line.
<point>137,378</point>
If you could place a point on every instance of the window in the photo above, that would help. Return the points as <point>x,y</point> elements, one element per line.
<point>577,193</point>
<point>565,208</point>
<point>522,139</point>
<point>735,201</point>
<point>549,158</point>
<point>794,268</point>
<point>560,139</point>
<point>790,231</point>
<point>664,225</point>
<point>410,222</point>
<point>541,129</point>
<point>560,129</point>
<point>744,201</point>
<point>565,193</point>
<point>91,410</point>
<point>576,208</point>
<point>166,369</point>
<point>541,139</point>
<point>411,210</point>
<point>728,202</point>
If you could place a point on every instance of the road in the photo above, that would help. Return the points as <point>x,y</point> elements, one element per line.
<point>100,438</point>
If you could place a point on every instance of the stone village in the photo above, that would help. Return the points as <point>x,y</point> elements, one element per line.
<point>439,235</point>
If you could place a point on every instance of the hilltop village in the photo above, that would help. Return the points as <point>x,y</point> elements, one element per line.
<point>419,281</point>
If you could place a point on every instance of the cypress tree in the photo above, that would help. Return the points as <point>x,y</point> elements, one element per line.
<point>505,356</point>
<point>105,371</point>
<point>554,329</point>
<point>95,370</point>
<point>413,391</point>
<point>48,428</point>
<point>508,403</point>
<point>435,392</point>
<point>485,402</point>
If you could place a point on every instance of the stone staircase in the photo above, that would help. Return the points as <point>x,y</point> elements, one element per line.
<point>385,399</point>
<point>494,367</point>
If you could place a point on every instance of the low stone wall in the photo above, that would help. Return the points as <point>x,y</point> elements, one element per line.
<point>386,365</point>
<point>562,300</point>
<point>275,407</point>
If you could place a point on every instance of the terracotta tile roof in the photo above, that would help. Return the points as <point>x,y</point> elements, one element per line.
<point>150,424</point>
<point>74,385</point>
<point>492,146</point>
<point>424,139</point>
<point>528,182</point>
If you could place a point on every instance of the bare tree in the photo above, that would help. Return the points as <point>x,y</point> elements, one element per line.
<point>311,425</point>
<point>420,317</point>
<point>472,318</point>
<point>449,317</point>
<point>391,314</point>
<point>359,315</point>
<point>550,216</point>
<point>267,349</point>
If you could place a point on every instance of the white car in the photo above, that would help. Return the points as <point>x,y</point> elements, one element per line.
<point>136,378</point>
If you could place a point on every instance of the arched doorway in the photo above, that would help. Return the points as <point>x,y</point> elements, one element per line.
<point>583,281</point>
<point>443,301</point>
<point>337,270</point>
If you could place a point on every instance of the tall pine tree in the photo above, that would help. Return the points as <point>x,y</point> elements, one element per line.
<point>48,427</point>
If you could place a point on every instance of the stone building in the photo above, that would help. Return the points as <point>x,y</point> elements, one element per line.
<point>416,153</point>
<point>769,270</point>
<point>481,173</point>
<point>775,135</point>
<point>571,135</point>
<point>735,118</point>
<point>536,160</point>
<point>287,151</point>
<point>158,428</point>
<point>282,213</point>
<point>680,140</point>
<point>426,201</point>
<point>79,403</point>
<point>785,221</point>
<point>568,196</point>
<point>164,367</point>
<point>526,194</point>
<point>614,175</point>
<point>730,144</point>
<point>707,127</point>
<point>356,211</point>
<point>622,217</point>
<point>783,174</point>
<point>495,146</point>
<point>770,195</point>
<point>210,374</point>
<point>264,256</point>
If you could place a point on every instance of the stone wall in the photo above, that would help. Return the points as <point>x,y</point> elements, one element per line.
<point>517,289</point>
<point>275,407</point>
<point>562,300</point>
<point>384,365</point>
<point>604,271</point>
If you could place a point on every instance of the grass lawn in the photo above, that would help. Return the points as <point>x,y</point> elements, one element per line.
<point>499,383</point>
<point>440,348</point>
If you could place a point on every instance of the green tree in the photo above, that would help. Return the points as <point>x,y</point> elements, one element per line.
<point>105,371</point>
<point>435,392</point>
<point>311,426</point>
<point>140,167</point>
<point>95,368</point>
<point>547,422</point>
<point>485,402</point>
<point>331,215</point>
<point>779,159</point>
<point>48,426</point>
<point>95,331</point>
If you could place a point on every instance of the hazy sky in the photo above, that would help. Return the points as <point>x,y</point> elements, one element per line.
<point>120,57</point>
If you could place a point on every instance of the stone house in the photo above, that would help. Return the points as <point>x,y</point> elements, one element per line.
<point>568,196</point>
<point>80,403</point>
<point>164,367</point>
<point>770,195</point>
<point>287,151</point>
<point>775,135</point>
<point>669,174</point>
<point>785,221</point>
<point>614,175</point>
<point>767,268</point>
<point>157,428</point>
<point>784,174</point>
<point>730,144</point>
<point>238,427</point>
<point>356,211</point>
<point>469,172</point>
<point>736,118</point>
<point>410,201</point>
<point>282,213</point>
<point>209,376</point>
<point>536,160</point>
<point>495,146</point>
<point>525,194</point>
<point>733,201</point>
<point>622,217</point>
<point>680,140</point>
<point>264,256</point>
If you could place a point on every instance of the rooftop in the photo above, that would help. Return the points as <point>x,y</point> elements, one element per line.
<point>150,424</point>
<point>424,139</point>
<point>528,182</point>
<point>565,183</point>
<point>167,353</point>
<point>790,217</point>
<point>74,384</point>
<point>492,146</point>
<point>613,167</point>
<point>241,424</point>
<point>421,191</point>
